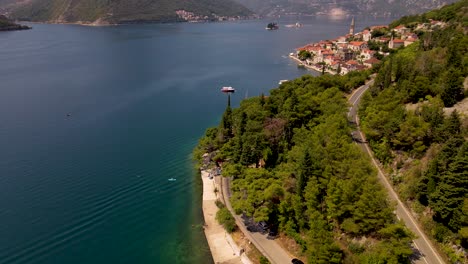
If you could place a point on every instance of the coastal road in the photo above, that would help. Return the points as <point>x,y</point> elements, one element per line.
<point>269,248</point>
<point>425,251</point>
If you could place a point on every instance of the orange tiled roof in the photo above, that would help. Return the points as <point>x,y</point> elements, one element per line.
<point>357,43</point>
<point>372,61</point>
<point>352,62</point>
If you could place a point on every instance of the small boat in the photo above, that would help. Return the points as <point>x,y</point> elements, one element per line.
<point>297,25</point>
<point>228,89</point>
<point>272,26</point>
<point>172,179</point>
<point>282,81</point>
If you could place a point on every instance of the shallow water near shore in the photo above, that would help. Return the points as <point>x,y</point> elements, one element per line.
<point>95,120</point>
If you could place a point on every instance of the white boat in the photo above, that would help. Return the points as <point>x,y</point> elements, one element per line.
<point>228,89</point>
<point>297,25</point>
<point>282,81</point>
<point>172,179</point>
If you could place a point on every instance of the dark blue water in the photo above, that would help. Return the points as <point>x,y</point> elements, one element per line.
<point>93,122</point>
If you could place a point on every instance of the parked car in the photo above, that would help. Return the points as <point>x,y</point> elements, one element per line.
<point>263,226</point>
<point>296,261</point>
<point>273,233</point>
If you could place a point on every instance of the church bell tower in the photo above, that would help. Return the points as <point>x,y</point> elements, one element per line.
<point>351,28</point>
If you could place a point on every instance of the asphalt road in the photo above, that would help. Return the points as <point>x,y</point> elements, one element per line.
<point>425,253</point>
<point>269,248</point>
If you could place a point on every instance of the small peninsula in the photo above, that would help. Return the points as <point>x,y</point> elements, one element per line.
<point>8,25</point>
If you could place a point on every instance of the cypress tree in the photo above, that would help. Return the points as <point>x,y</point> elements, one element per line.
<point>452,91</point>
<point>306,168</point>
<point>227,120</point>
<point>388,74</point>
<point>452,125</point>
<point>454,58</point>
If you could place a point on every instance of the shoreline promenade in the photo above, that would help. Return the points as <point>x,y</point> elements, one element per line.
<point>311,67</point>
<point>222,246</point>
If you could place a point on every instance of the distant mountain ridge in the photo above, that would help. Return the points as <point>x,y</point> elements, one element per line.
<point>379,8</point>
<point>121,11</point>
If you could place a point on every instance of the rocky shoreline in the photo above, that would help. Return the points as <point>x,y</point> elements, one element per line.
<point>8,25</point>
<point>15,27</point>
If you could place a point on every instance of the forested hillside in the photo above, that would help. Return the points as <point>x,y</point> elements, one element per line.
<point>294,165</point>
<point>120,11</point>
<point>424,148</point>
<point>381,8</point>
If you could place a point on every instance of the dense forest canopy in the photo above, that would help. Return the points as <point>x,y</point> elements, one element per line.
<point>294,165</point>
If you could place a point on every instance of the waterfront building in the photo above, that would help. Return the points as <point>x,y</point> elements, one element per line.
<point>345,54</point>
<point>370,62</point>
<point>395,43</point>
<point>357,45</point>
<point>366,35</point>
<point>401,29</point>
<point>367,54</point>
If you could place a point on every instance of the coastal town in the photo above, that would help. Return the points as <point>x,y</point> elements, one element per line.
<point>359,50</point>
<point>191,17</point>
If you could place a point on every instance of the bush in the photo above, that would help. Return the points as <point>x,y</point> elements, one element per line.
<point>264,260</point>
<point>355,248</point>
<point>440,232</point>
<point>219,204</point>
<point>225,218</point>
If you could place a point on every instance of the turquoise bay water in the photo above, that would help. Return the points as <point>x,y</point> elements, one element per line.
<point>93,121</point>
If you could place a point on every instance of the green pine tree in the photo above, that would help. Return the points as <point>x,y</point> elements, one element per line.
<point>448,198</point>
<point>453,87</point>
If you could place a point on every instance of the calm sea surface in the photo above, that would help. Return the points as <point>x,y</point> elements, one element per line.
<point>94,120</point>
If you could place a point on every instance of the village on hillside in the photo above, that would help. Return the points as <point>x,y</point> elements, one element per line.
<point>361,50</point>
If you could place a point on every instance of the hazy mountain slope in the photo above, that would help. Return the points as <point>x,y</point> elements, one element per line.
<point>118,11</point>
<point>388,8</point>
